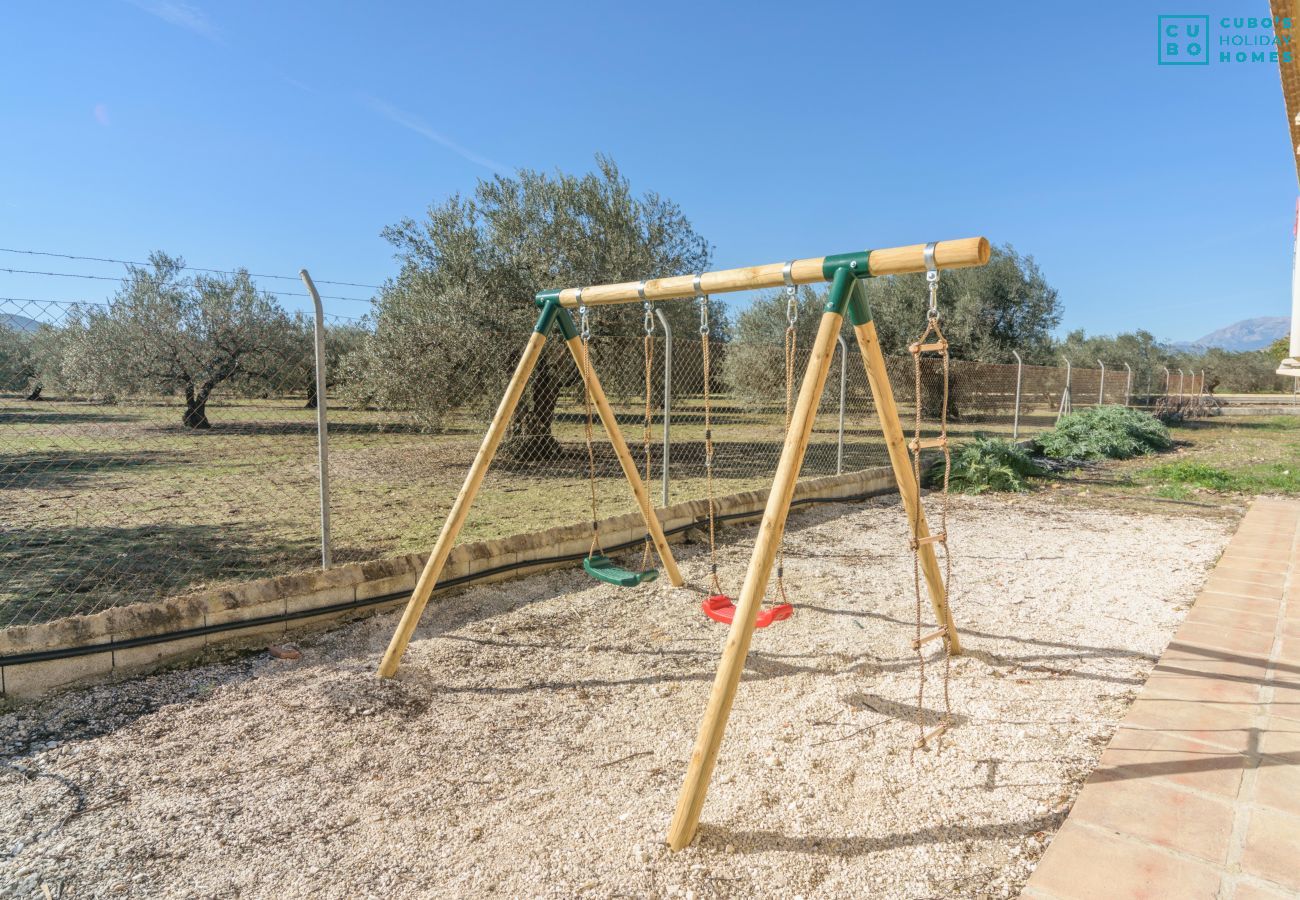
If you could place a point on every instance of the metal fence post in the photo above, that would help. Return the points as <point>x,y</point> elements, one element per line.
<point>1015,420</point>
<point>322,432</point>
<point>1128,383</point>
<point>1101,388</point>
<point>844,383</point>
<point>1065,394</point>
<point>1167,377</point>
<point>668,391</point>
<point>1180,385</point>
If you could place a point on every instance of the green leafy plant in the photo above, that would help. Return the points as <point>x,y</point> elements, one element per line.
<point>1105,432</point>
<point>987,464</point>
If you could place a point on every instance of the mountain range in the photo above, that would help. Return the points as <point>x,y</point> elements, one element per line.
<point>1248,334</point>
<point>15,322</point>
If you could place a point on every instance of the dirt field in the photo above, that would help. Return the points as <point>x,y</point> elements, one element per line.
<point>103,504</point>
<point>538,733</point>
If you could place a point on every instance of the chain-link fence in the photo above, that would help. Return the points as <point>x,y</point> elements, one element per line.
<point>140,459</point>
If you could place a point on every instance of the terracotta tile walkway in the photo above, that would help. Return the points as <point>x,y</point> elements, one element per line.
<point>1198,794</point>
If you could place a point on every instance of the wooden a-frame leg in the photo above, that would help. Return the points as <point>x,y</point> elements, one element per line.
<point>899,459</point>
<point>460,509</point>
<point>621,450</point>
<point>704,757</point>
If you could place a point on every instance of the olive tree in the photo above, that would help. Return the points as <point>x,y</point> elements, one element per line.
<point>1146,356</point>
<point>31,360</point>
<point>449,328</point>
<point>16,367</point>
<point>169,332</point>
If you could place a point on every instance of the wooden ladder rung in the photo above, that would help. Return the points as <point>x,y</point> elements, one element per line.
<point>926,638</point>
<point>939,538</point>
<point>936,347</point>
<point>927,443</point>
<point>930,735</point>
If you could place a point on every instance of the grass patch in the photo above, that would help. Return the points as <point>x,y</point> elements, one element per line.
<point>988,464</point>
<point>1192,474</point>
<point>1177,480</point>
<point>1105,432</point>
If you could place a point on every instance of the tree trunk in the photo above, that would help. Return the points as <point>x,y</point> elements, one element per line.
<point>529,437</point>
<point>36,393</point>
<point>196,408</point>
<point>311,393</point>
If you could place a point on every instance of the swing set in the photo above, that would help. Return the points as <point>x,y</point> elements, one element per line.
<point>846,298</point>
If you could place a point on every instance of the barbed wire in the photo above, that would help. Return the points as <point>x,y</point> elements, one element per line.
<point>55,302</point>
<point>127,262</point>
<point>118,279</point>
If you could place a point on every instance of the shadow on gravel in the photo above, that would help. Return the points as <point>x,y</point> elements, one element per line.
<point>755,841</point>
<point>1072,652</point>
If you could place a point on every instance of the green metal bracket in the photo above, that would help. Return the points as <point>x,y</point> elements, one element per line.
<point>544,297</point>
<point>552,313</point>
<point>547,318</point>
<point>859,308</point>
<point>565,321</point>
<point>842,282</point>
<point>858,263</point>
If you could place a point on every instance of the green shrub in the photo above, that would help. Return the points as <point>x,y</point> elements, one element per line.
<point>1105,432</point>
<point>987,464</point>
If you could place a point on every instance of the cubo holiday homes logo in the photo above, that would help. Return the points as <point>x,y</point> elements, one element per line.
<point>1182,40</point>
<point>1185,40</point>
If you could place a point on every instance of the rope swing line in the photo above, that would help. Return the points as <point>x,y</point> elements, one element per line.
<point>597,564</point>
<point>584,333</point>
<point>718,606</point>
<point>791,345</point>
<point>703,301</point>
<point>648,347</point>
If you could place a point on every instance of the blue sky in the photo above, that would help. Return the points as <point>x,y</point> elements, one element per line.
<point>282,135</point>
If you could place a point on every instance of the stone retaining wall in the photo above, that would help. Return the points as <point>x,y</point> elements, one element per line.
<point>289,594</point>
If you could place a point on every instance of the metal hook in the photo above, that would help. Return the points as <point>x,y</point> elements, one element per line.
<point>649,322</point>
<point>703,300</point>
<point>791,294</point>
<point>932,279</point>
<point>584,324</point>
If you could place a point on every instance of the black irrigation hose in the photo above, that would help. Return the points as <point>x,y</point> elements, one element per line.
<point>203,630</point>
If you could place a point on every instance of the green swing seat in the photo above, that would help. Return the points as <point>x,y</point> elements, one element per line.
<point>602,568</point>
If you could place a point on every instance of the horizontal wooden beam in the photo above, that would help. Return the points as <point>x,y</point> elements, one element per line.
<point>957,254</point>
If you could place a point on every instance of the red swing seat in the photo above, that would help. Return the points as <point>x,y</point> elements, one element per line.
<point>720,608</point>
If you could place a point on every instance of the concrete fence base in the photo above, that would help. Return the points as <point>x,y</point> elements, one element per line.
<point>114,629</point>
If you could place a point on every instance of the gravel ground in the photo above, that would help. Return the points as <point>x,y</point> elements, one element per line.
<point>536,738</point>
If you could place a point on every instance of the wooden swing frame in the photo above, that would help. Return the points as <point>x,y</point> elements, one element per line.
<point>847,296</point>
